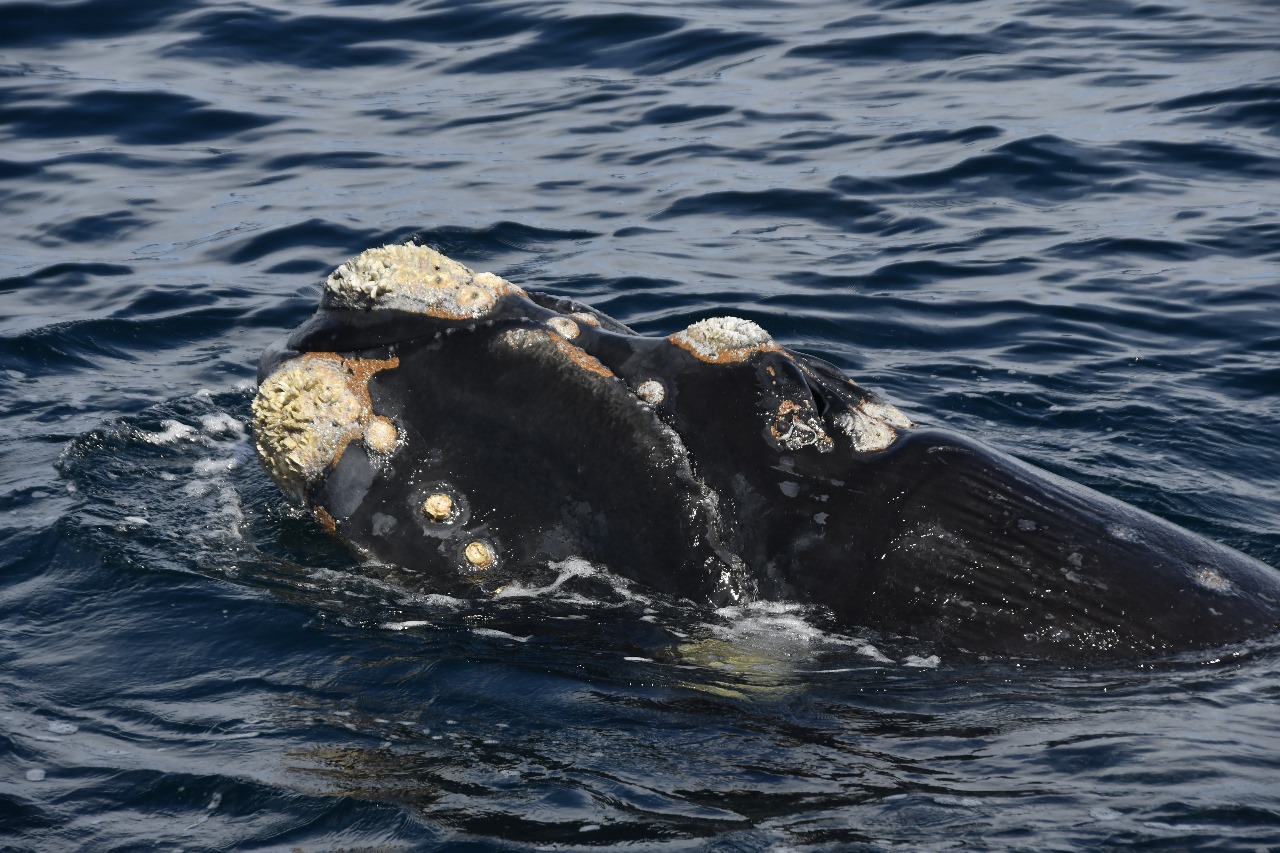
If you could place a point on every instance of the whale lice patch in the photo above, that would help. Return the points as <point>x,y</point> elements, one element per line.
<point>304,414</point>
<point>719,340</point>
<point>414,278</point>
<point>1211,579</point>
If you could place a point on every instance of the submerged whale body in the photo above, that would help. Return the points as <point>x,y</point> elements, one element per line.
<point>472,433</point>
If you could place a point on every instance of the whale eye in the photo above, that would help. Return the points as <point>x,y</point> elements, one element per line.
<point>723,339</point>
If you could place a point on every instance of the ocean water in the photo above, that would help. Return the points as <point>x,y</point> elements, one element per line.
<point>1049,224</point>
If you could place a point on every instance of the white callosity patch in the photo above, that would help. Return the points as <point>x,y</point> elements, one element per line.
<point>873,425</point>
<point>414,278</point>
<point>721,339</point>
<point>304,414</point>
<point>564,327</point>
<point>652,392</point>
<point>380,435</point>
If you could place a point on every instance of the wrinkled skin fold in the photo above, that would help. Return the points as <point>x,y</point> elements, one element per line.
<point>452,424</point>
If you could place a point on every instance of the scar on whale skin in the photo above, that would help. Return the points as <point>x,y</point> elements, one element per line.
<point>473,433</point>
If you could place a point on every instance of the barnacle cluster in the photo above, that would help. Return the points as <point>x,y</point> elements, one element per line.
<point>797,425</point>
<point>873,425</point>
<point>414,278</point>
<point>723,339</point>
<point>307,411</point>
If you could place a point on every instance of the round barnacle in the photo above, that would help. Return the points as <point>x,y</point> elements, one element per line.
<point>584,318</point>
<point>564,327</point>
<point>438,507</point>
<point>479,554</point>
<point>723,339</point>
<point>380,435</point>
<point>652,392</point>
<point>474,300</point>
<point>303,416</point>
<point>414,278</point>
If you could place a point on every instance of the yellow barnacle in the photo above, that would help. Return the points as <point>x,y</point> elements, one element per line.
<point>438,507</point>
<point>414,278</point>
<point>380,435</point>
<point>479,554</point>
<point>303,417</point>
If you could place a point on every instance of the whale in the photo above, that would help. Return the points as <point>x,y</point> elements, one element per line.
<point>473,433</point>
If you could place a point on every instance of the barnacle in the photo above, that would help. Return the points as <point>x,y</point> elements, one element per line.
<point>414,278</point>
<point>724,339</point>
<point>307,411</point>
<point>873,425</point>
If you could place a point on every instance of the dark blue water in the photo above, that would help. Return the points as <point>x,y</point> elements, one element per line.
<point>1053,225</point>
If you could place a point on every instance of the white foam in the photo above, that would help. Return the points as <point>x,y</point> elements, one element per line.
<point>573,567</point>
<point>212,467</point>
<point>406,625</point>
<point>782,630</point>
<point>171,432</point>
<point>502,635</point>
<point>221,423</point>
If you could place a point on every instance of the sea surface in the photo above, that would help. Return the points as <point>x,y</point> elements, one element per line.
<point>1050,224</point>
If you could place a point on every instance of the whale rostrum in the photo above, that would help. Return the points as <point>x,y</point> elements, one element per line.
<point>452,424</point>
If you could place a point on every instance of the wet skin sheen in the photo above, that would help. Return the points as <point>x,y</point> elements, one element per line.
<point>718,466</point>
